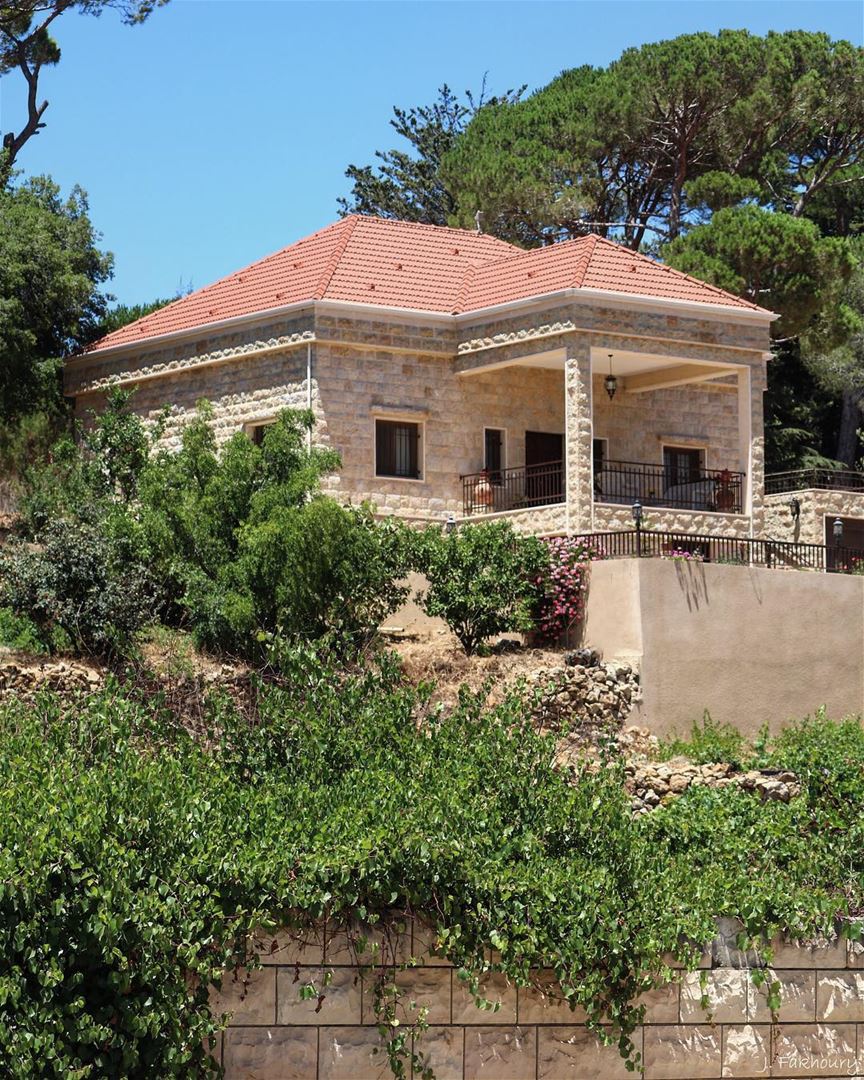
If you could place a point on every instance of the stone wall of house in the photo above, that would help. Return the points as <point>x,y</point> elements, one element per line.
<point>637,426</point>
<point>355,386</point>
<point>818,1030</point>
<point>816,505</point>
<point>363,366</point>
<point>608,518</point>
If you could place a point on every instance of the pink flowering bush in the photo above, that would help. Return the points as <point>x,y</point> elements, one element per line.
<point>563,585</point>
<point>682,555</point>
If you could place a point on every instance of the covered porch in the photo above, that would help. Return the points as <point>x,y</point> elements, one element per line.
<point>669,431</point>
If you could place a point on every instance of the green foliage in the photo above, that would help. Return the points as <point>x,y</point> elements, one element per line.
<point>79,584</point>
<point>709,742</point>
<point>775,260</point>
<point>407,184</point>
<point>625,146</point>
<point>801,418</point>
<point>80,573</point>
<point>50,273</point>
<point>135,859</point>
<point>483,579</point>
<point>248,546</point>
<point>26,46</point>
<point>19,633</point>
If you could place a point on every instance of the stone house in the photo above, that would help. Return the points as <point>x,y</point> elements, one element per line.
<point>458,375</point>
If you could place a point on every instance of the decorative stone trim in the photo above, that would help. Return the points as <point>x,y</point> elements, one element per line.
<point>197,361</point>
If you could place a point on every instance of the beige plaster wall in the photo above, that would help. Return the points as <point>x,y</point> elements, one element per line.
<point>273,1035</point>
<point>750,645</point>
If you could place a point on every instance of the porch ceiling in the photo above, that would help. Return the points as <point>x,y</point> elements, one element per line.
<point>639,372</point>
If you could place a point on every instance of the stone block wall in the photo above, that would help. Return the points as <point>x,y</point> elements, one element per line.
<point>363,365</point>
<point>816,505</point>
<point>818,1030</point>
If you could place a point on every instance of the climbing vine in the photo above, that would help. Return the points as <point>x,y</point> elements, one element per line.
<point>137,857</point>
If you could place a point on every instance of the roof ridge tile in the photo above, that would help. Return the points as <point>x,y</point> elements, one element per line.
<point>336,257</point>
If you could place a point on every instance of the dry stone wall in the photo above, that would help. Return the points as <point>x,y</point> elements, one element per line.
<point>818,1030</point>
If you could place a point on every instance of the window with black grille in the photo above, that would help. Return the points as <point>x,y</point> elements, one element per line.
<point>397,449</point>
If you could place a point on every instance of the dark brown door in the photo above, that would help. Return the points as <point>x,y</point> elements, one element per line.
<point>544,468</point>
<point>843,554</point>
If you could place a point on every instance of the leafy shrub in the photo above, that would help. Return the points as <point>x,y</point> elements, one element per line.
<point>248,546</point>
<point>135,858</point>
<point>90,472</point>
<point>482,579</point>
<point>81,585</point>
<point>563,585</point>
<point>708,742</point>
<point>20,633</point>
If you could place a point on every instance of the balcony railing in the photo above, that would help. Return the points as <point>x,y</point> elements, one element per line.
<point>513,489</point>
<point>737,550</point>
<point>617,482</point>
<point>823,479</point>
<point>625,482</point>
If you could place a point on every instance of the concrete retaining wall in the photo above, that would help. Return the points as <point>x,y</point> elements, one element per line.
<point>750,645</point>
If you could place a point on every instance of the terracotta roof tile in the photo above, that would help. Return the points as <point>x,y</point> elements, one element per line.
<point>423,267</point>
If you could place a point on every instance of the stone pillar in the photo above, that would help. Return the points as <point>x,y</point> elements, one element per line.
<point>752,442</point>
<point>578,412</point>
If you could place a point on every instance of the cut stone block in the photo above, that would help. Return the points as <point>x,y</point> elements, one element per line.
<point>725,990</point>
<point>493,987</point>
<point>840,996</point>
<point>575,1053</point>
<point>682,1051</point>
<point>271,1053</point>
<point>500,1053</point>
<point>249,996</point>
<point>746,1050</point>
<point>797,997</point>
<point>342,998</point>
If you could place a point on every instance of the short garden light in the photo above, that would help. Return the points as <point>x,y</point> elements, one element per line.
<point>637,520</point>
<point>450,525</point>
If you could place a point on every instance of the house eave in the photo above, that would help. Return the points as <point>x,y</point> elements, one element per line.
<point>758,316</point>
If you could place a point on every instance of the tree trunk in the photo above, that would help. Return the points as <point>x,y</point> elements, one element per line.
<point>850,418</point>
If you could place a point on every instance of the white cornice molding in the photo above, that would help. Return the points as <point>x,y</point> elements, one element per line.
<point>718,312</point>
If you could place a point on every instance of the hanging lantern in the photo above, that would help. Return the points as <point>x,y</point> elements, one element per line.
<point>610,382</point>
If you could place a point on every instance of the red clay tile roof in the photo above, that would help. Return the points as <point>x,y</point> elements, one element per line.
<point>422,267</point>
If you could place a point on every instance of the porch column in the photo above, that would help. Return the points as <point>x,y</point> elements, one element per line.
<point>751,442</point>
<point>579,427</point>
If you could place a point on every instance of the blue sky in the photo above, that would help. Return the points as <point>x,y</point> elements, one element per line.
<point>220,130</point>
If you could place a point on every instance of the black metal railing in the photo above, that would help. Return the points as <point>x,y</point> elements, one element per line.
<point>513,489</point>
<point>626,482</point>
<point>742,551</point>
<point>616,482</point>
<point>823,479</point>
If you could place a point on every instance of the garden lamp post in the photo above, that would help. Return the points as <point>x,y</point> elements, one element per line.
<point>838,540</point>
<point>637,520</point>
